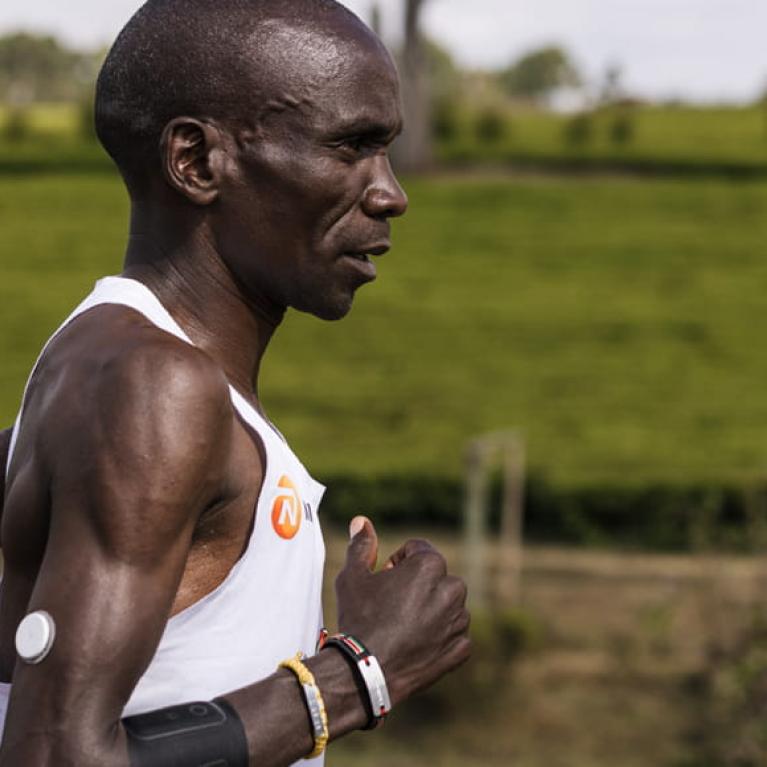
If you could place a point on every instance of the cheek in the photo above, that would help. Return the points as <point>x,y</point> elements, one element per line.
<point>292,194</point>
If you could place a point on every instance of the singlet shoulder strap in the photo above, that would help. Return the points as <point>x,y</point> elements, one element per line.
<point>135,295</point>
<point>109,290</point>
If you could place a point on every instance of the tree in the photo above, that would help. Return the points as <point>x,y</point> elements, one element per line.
<point>612,87</point>
<point>414,150</point>
<point>539,73</point>
<point>39,68</point>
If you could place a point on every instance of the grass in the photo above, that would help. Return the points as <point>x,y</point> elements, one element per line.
<point>684,136</point>
<point>680,138</point>
<point>615,322</point>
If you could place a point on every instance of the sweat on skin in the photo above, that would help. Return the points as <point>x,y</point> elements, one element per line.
<point>133,482</point>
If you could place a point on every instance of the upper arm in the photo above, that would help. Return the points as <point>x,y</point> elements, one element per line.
<point>5,444</point>
<point>130,471</point>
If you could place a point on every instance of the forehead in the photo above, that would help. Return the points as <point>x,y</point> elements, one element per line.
<point>332,77</point>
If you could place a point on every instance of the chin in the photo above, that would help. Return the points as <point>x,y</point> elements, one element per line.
<point>327,310</point>
<point>332,313</point>
<point>332,308</point>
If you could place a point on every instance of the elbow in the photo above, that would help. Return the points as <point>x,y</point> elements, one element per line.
<point>48,750</point>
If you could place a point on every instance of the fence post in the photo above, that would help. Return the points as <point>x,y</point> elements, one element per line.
<point>474,516</point>
<point>512,518</point>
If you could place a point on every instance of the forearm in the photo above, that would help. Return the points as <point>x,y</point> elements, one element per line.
<point>62,747</point>
<point>275,716</point>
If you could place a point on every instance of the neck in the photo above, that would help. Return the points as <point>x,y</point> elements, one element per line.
<point>182,267</point>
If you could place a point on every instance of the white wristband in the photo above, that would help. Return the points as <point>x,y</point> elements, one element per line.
<point>369,670</point>
<point>374,679</point>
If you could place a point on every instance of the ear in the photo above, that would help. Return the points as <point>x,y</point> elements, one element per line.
<point>191,158</point>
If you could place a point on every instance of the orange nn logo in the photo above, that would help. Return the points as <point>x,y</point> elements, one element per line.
<point>286,509</point>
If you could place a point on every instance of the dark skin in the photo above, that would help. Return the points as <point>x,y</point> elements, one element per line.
<point>239,225</point>
<point>5,443</point>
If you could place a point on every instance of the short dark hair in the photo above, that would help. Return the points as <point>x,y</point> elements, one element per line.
<point>183,57</point>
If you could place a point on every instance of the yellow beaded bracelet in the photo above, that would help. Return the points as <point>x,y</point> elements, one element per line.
<point>314,702</point>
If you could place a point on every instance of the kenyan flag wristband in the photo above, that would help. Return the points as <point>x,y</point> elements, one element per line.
<point>368,672</point>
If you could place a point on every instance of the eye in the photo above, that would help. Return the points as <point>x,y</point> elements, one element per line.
<point>358,146</point>
<point>353,144</point>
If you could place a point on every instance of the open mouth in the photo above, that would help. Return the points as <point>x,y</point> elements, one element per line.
<point>364,257</point>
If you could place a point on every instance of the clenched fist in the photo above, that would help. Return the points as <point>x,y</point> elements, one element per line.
<point>411,614</point>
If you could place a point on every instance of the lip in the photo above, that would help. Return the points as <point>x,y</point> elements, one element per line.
<point>363,268</point>
<point>358,259</point>
<point>378,248</point>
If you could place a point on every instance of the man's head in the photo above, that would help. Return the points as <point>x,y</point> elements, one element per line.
<point>273,115</point>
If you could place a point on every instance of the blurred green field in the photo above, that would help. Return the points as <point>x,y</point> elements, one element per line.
<point>51,120</point>
<point>689,136</point>
<point>616,322</point>
<point>686,137</point>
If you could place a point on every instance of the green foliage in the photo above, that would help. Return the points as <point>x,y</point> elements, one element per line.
<point>17,126</point>
<point>86,119</point>
<point>655,140</point>
<point>539,73</point>
<point>622,129</point>
<point>40,68</point>
<point>579,130</point>
<point>611,320</point>
<point>445,120</point>
<point>659,517</point>
<point>444,76</point>
<point>491,126</point>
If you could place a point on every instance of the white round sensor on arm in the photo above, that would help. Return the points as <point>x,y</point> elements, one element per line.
<point>35,636</point>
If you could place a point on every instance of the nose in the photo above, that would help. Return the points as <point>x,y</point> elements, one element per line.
<point>384,197</point>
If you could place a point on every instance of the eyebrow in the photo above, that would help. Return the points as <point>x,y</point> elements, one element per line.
<point>365,127</point>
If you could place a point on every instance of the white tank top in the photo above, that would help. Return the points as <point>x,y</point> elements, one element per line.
<point>269,606</point>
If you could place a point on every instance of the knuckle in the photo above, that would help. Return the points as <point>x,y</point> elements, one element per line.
<point>418,545</point>
<point>454,590</point>
<point>433,562</point>
<point>458,588</point>
<point>463,624</point>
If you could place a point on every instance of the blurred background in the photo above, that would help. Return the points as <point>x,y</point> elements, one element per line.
<point>559,376</point>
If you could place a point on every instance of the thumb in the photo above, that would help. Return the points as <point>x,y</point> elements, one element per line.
<point>363,547</point>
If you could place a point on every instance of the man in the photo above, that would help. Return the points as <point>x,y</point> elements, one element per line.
<point>157,529</point>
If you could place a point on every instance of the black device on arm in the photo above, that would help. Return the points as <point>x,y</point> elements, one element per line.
<point>187,735</point>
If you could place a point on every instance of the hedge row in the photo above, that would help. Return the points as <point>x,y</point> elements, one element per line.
<point>659,517</point>
<point>651,167</point>
<point>89,158</point>
<point>65,160</point>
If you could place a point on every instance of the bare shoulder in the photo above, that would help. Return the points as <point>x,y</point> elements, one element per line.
<point>124,417</point>
<point>113,367</point>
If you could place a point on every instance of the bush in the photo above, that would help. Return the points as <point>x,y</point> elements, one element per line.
<point>17,125</point>
<point>579,130</point>
<point>86,120</point>
<point>491,126</point>
<point>622,129</point>
<point>444,121</point>
<point>653,517</point>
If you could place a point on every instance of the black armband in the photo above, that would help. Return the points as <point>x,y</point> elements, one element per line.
<point>188,735</point>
